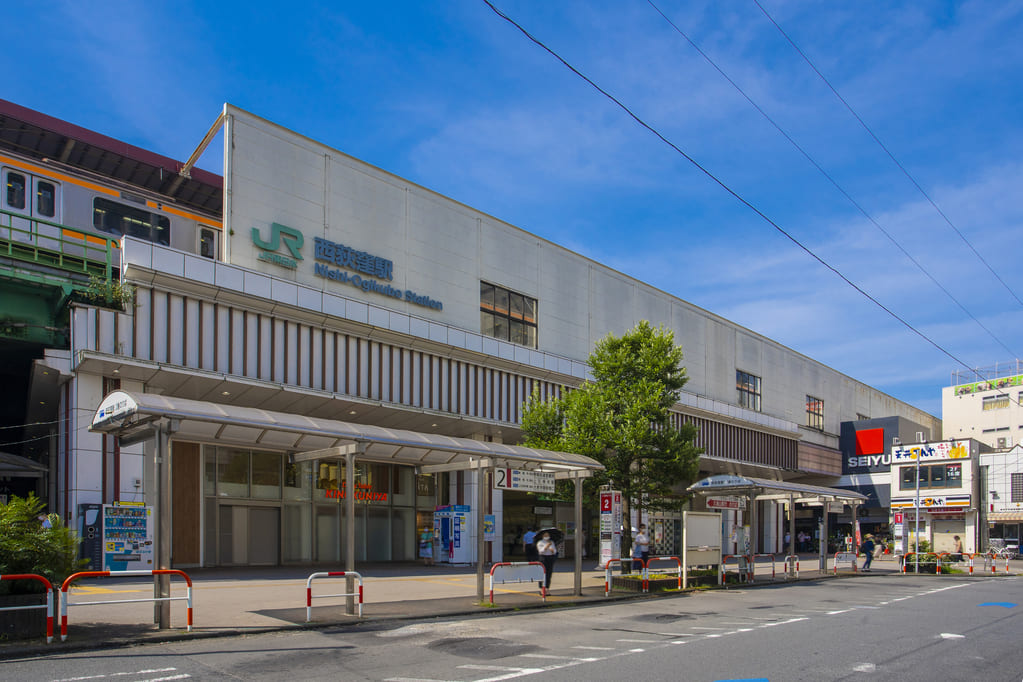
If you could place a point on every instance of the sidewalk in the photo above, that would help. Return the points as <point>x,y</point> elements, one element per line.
<point>232,601</point>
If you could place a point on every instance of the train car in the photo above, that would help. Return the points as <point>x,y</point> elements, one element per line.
<point>69,191</point>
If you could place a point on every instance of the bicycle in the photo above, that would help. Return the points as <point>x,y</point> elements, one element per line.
<point>999,550</point>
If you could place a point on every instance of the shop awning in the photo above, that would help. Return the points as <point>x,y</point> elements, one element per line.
<point>16,466</point>
<point>1006,516</point>
<point>131,415</point>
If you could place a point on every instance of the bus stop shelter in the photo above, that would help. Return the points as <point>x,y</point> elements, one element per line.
<point>762,489</point>
<point>135,417</point>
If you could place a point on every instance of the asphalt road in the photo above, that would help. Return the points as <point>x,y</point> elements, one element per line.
<point>872,628</point>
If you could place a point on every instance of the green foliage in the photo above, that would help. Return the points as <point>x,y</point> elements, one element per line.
<point>27,547</point>
<point>108,292</point>
<point>622,419</point>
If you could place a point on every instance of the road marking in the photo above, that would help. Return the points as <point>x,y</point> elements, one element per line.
<point>124,674</point>
<point>595,648</point>
<point>950,635</point>
<point>638,641</point>
<point>560,658</point>
<point>864,668</point>
<point>783,622</point>
<point>1006,604</point>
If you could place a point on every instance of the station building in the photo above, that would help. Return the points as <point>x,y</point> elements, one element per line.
<point>315,285</point>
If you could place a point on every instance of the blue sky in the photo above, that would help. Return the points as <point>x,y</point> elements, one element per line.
<point>454,98</point>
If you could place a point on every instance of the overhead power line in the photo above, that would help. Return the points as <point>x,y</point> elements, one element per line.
<point>830,179</point>
<point>889,153</point>
<point>724,186</point>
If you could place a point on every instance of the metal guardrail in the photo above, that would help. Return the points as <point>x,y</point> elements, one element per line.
<point>520,572</point>
<point>49,600</point>
<point>65,602</point>
<point>330,574</point>
<point>67,248</point>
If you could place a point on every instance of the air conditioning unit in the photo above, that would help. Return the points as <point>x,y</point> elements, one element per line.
<point>1003,442</point>
<point>896,441</point>
<point>919,436</point>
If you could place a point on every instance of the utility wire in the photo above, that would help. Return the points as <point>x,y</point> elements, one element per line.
<point>724,186</point>
<point>823,172</point>
<point>888,152</point>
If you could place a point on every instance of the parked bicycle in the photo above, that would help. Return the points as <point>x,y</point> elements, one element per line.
<point>1000,550</point>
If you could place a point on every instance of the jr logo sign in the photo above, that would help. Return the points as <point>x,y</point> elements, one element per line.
<point>293,241</point>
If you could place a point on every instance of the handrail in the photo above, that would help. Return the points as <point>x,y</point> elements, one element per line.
<point>791,561</point>
<point>607,573</point>
<point>646,570</point>
<point>847,555</point>
<point>49,599</point>
<point>74,247</point>
<point>753,566</point>
<point>329,574</point>
<point>742,563</point>
<point>66,601</point>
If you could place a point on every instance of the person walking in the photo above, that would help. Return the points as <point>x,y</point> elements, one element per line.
<point>548,552</point>
<point>868,549</point>
<point>957,548</point>
<point>528,544</point>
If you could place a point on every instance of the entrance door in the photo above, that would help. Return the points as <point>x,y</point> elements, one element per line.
<point>249,536</point>
<point>943,531</point>
<point>264,536</point>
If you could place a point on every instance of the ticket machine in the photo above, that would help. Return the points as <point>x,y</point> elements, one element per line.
<point>452,532</point>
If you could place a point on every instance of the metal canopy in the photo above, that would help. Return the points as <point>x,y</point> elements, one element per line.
<point>764,489</point>
<point>135,417</point>
<point>130,416</point>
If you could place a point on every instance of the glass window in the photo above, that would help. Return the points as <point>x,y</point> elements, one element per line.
<point>507,315</point>
<point>266,475</point>
<point>232,472</point>
<point>908,478</point>
<point>937,476</point>
<point>994,402</point>
<point>298,479</point>
<point>1016,492</point>
<point>46,199</point>
<point>748,388</point>
<point>15,190</point>
<point>815,413</point>
<point>208,240</point>
<point>953,475</point>
<point>118,219</point>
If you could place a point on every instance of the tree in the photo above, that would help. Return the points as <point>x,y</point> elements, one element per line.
<point>622,419</point>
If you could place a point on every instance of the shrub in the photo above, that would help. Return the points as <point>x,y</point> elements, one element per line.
<point>27,546</point>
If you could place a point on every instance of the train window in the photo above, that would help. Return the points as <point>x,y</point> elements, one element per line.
<point>209,240</point>
<point>46,199</point>
<point>114,218</point>
<point>15,190</point>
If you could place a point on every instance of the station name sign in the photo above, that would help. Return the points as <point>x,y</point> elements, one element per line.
<point>337,263</point>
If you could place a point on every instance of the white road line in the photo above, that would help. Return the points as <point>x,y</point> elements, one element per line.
<point>639,641</point>
<point>560,658</point>
<point>490,668</point>
<point>783,622</point>
<point>864,668</point>
<point>707,627</point>
<point>835,613</point>
<point>949,635</point>
<point>166,679</point>
<point>124,674</point>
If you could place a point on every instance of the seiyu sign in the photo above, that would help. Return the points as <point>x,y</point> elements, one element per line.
<point>336,262</point>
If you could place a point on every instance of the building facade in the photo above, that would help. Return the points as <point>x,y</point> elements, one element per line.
<point>987,409</point>
<point>326,287</point>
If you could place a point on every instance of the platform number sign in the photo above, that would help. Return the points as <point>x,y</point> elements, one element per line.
<point>518,479</point>
<point>610,525</point>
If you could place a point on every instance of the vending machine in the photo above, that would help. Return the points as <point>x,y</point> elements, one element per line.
<point>452,534</point>
<point>127,537</point>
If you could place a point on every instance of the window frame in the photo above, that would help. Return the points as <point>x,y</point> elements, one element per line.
<point>814,413</point>
<point>508,315</point>
<point>747,386</point>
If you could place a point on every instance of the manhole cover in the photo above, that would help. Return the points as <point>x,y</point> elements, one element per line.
<point>662,617</point>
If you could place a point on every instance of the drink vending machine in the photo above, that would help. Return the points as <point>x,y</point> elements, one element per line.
<point>452,534</point>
